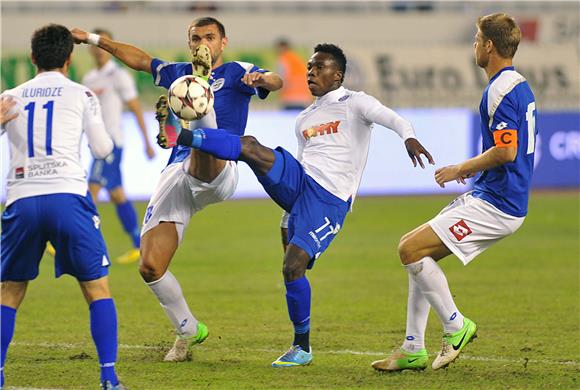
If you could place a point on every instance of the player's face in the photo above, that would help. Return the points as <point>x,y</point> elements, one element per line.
<point>211,37</point>
<point>481,54</point>
<point>323,74</point>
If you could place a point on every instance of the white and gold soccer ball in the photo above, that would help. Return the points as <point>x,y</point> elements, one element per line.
<point>190,98</point>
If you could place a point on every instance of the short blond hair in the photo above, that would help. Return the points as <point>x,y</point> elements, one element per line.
<point>503,31</point>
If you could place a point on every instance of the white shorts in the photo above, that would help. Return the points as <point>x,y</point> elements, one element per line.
<point>469,225</point>
<point>179,195</point>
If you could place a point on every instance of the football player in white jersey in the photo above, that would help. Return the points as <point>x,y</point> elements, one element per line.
<point>114,86</point>
<point>494,209</point>
<point>192,180</point>
<point>317,189</point>
<point>45,178</point>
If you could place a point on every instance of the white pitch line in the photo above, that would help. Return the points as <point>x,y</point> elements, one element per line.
<point>327,352</point>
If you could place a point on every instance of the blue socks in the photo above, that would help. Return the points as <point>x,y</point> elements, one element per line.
<point>8,318</point>
<point>128,217</point>
<point>104,332</point>
<point>216,142</point>
<point>298,300</point>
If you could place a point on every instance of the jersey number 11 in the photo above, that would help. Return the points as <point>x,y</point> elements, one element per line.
<point>49,107</point>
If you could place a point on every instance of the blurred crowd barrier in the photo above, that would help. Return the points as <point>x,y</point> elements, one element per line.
<point>404,54</point>
<point>451,135</point>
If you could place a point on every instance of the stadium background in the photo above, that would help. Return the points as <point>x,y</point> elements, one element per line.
<point>417,58</point>
<point>397,51</point>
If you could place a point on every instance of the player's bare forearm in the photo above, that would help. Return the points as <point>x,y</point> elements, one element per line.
<point>269,80</point>
<point>131,56</point>
<point>272,81</point>
<point>489,159</point>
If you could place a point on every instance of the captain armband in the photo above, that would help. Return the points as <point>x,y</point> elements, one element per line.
<point>505,138</point>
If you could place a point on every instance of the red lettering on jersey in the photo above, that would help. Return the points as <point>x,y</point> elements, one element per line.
<point>326,128</point>
<point>460,230</point>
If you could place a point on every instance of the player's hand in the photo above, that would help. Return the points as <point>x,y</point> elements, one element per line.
<point>254,79</point>
<point>448,173</point>
<point>6,104</point>
<point>149,151</point>
<point>79,36</point>
<point>415,150</point>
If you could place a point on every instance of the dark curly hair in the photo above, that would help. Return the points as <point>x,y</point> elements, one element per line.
<point>336,52</point>
<point>51,46</point>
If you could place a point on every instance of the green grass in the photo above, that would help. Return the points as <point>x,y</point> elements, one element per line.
<point>523,293</point>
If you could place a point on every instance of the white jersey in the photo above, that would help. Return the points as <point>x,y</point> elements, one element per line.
<point>114,86</point>
<point>45,137</point>
<point>334,135</point>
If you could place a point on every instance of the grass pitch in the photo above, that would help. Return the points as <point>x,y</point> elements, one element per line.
<point>523,293</point>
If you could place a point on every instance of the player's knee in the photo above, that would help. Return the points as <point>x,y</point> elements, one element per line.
<point>117,195</point>
<point>150,271</point>
<point>250,146</point>
<point>292,271</point>
<point>406,250</point>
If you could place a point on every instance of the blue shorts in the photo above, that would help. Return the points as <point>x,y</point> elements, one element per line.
<point>316,215</point>
<point>70,222</point>
<point>107,172</point>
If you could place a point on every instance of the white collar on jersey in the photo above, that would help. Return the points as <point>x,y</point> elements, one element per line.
<point>49,73</point>
<point>331,96</point>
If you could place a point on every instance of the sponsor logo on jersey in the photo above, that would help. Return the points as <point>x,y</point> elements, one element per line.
<point>218,84</point>
<point>460,230</point>
<point>19,173</point>
<point>96,221</point>
<point>45,168</point>
<point>326,128</point>
<point>345,97</point>
<point>501,126</point>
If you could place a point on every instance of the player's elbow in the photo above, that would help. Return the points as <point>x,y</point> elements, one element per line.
<point>102,150</point>
<point>506,155</point>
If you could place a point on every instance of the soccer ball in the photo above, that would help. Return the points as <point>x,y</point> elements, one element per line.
<point>190,98</point>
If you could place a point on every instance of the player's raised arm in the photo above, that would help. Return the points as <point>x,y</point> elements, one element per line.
<point>131,56</point>
<point>376,112</point>
<point>268,80</point>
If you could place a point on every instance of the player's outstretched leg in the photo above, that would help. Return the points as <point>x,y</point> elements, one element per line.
<point>412,354</point>
<point>158,246</point>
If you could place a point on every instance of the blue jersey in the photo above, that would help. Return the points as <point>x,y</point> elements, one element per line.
<point>232,96</point>
<point>508,116</point>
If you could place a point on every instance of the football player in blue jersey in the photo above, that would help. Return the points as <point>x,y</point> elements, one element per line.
<point>495,209</point>
<point>192,179</point>
<point>44,120</point>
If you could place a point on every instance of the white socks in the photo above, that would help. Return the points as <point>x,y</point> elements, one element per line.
<point>431,280</point>
<point>168,292</point>
<point>417,316</point>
